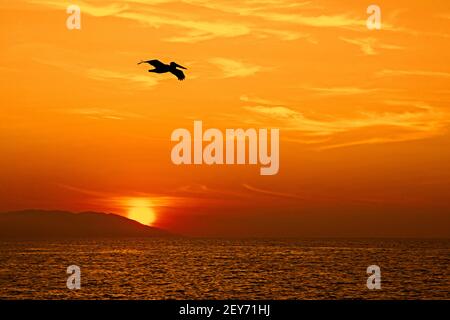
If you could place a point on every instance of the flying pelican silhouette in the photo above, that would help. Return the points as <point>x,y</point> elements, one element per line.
<point>163,68</point>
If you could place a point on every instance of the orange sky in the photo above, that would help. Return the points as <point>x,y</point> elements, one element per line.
<point>363,115</point>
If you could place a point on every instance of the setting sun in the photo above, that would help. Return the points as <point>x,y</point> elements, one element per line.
<point>142,212</point>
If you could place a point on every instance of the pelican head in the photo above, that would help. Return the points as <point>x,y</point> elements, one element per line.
<point>176,65</point>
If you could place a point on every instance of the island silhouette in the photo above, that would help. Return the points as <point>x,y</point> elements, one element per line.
<point>42,224</point>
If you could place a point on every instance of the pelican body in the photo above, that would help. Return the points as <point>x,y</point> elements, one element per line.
<point>160,67</point>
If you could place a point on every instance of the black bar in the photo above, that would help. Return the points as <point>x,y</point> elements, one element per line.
<point>225,309</point>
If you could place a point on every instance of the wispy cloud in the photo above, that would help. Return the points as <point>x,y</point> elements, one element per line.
<point>149,14</point>
<point>337,91</point>
<point>200,191</point>
<point>226,19</point>
<point>191,27</point>
<point>258,100</point>
<point>328,21</point>
<point>369,46</point>
<point>270,192</point>
<point>420,121</point>
<point>266,10</point>
<point>277,112</point>
<point>101,74</point>
<point>420,73</point>
<point>286,35</point>
<point>311,15</point>
<point>106,75</point>
<point>195,30</point>
<point>233,68</point>
<point>101,113</point>
<point>102,10</point>
<point>117,200</point>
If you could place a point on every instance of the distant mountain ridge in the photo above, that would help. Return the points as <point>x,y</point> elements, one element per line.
<point>41,224</point>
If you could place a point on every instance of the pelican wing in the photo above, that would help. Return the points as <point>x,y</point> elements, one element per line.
<point>156,63</point>
<point>178,73</point>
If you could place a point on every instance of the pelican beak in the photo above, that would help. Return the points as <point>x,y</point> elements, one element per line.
<point>182,67</point>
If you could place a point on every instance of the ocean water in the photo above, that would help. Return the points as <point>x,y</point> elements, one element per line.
<point>225,269</point>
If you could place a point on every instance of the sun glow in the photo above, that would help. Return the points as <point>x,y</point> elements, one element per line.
<point>141,211</point>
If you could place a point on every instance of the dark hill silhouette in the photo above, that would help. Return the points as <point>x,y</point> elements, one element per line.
<point>32,224</point>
